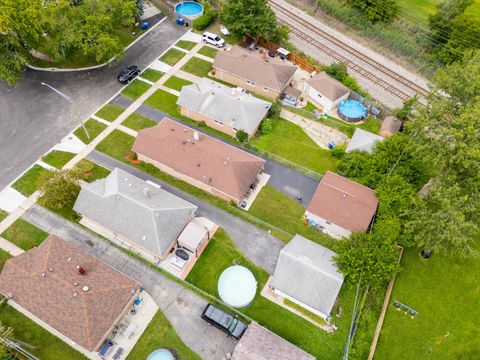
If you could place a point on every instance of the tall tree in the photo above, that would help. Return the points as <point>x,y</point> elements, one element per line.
<point>377,10</point>
<point>60,189</point>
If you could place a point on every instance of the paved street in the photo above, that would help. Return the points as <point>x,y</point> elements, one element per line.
<point>259,246</point>
<point>181,306</point>
<point>33,118</point>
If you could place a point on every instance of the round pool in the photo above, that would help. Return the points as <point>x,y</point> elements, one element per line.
<point>237,286</point>
<point>161,354</point>
<point>351,110</point>
<point>189,9</point>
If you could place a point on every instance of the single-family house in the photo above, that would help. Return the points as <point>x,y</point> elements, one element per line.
<point>201,160</point>
<point>135,213</point>
<point>390,126</point>
<point>253,71</point>
<point>68,291</point>
<point>259,343</point>
<point>307,275</point>
<point>221,107</point>
<point>363,141</point>
<point>341,206</point>
<point>325,91</point>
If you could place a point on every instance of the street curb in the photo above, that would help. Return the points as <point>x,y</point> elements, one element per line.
<point>54,69</point>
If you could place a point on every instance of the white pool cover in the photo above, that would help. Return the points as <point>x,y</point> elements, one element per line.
<point>237,286</point>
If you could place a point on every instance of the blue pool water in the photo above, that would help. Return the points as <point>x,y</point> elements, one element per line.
<point>189,8</point>
<point>352,109</point>
<point>161,354</point>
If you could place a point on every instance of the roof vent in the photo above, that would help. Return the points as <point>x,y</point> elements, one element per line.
<point>196,136</point>
<point>198,164</point>
<point>344,195</point>
<point>117,197</point>
<point>75,283</point>
<point>85,288</point>
<point>126,179</point>
<point>184,142</point>
<point>172,129</point>
<point>146,192</point>
<point>43,274</point>
<point>130,185</point>
<point>69,259</point>
<point>144,238</point>
<point>50,269</point>
<point>184,130</point>
<point>75,294</point>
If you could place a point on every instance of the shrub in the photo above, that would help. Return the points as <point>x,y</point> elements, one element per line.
<point>266,127</point>
<point>132,155</point>
<point>338,151</point>
<point>202,124</point>
<point>209,15</point>
<point>60,189</point>
<point>242,136</point>
<point>274,110</point>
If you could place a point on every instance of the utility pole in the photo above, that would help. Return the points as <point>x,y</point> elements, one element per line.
<point>70,100</point>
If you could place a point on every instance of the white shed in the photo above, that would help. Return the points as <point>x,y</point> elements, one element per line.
<point>325,91</point>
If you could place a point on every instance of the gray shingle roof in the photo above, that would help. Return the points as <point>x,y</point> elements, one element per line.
<point>144,214</point>
<point>329,87</point>
<point>222,103</point>
<point>306,272</point>
<point>362,141</point>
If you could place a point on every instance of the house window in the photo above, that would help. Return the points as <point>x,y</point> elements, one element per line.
<point>219,122</point>
<point>319,95</point>
<point>251,83</point>
<point>265,89</point>
<point>328,222</point>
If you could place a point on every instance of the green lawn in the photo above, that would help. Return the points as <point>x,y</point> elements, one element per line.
<point>4,256</point>
<point>152,75</point>
<point>197,66</point>
<point>160,334</point>
<point>185,44</point>
<point>28,183</point>
<point>418,11</point>
<point>208,51</point>
<point>66,212</point>
<point>176,83</point>
<point>445,291</point>
<point>3,215</point>
<point>135,89</point>
<point>91,170</point>
<point>221,252</point>
<point>116,144</point>
<point>172,56</point>
<point>165,102</point>
<point>138,122</point>
<point>24,235</point>
<point>44,344</point>
<point>109,112</point>
<point>94,128</point>
<point>290,142</point>
<point>58,158</point>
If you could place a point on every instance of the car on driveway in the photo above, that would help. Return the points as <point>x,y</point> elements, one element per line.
<point>209,38</point>
<point>224,321</point>
<point>128,74</point>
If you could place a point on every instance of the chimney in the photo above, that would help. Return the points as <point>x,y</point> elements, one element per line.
<point>196,136</point>
<point>81,270</point>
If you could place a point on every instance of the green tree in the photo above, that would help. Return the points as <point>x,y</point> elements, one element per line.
<point>20,32</point>
<point>377,10</point>
<point>241,136</point>
<point>60,189</point>
<point>465,35</point>
<point>266,127</point>
<point>405,112</point>
<point>249,17</point>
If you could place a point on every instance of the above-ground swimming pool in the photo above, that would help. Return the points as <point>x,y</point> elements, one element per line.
<point>351,110</point>
<point>161,354</point>
<point>189,9</point>
<point>237,286</point>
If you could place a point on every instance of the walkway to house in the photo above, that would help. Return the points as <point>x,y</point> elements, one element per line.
<point>182,307</point>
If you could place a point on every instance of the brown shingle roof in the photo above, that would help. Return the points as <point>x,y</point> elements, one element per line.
<point>391,124</point>
<point>329,87</point>
<point>259,343</point>
<point>84,318</point>
<point>250,66</point>
<point>211,161</point>
<point>344,202</point>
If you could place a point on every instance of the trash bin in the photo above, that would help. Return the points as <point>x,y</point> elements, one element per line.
<point>144,26</point>
<point>180,21</point>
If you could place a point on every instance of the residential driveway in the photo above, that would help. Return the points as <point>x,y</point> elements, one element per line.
<point>33,118</point>
<point>182,307</point>
<point>259,246</point>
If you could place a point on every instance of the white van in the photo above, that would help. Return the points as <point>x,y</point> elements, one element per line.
<point>209,38</point>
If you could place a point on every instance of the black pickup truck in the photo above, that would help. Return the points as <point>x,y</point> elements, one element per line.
<point>224,321</point>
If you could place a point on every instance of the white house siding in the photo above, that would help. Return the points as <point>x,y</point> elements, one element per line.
<point>322,101</point>
<point>331,229</point>
<point>305,306</point>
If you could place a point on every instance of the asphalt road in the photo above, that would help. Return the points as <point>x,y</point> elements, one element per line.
<point>33,118</point>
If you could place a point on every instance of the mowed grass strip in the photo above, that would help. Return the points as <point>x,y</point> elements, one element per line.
<point>185,44</point>
<point>176,83</point>
<point>172,56</point>
<point>152,75</point>
<point>3,215</point>
<point>91,171</point>
<point>135,89</point>
<point>4,256</point>
<point>109,112</point>
<point>24,235</point>
<point>138,122</point>
<point>116,144</point>
<point>58,158</point>
<point>29,182</point>
<point>164,101</point>
<point>208,51</point>
<point>94,128</point>
<point>197,66</point>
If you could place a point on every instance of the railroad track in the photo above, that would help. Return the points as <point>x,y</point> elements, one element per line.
<point>388,87</point>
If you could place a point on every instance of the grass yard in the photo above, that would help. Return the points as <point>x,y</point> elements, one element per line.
<point>160,334</point>
<point>152,75</point>
<point>4,256</point>
<point>24,235</point>
<point>45,345</point>
<point>176,83</point>
<point>66,212</point>
<point>58,158</point>
<point>109,112</point>
<point>94,128</point>
<point>445,292</point>
<point>185,44</point>
<point>197,66</point>
<point>165,102</point>
<point>91,170</point>
<point>29,181</point>
<point>138,122</point>
<point>116,144</point>
<point>172,56</point>
<point>220,254</point>
<point>290,142</point>
<point>418,11</point>
<point>208,51</point>
<point>279,210</point>
<point>135,89</point>
<point>3,215</point>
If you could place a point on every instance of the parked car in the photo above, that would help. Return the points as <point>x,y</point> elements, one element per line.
<point>224,321</point>
<point>128,74</point>
<point>209,38</point>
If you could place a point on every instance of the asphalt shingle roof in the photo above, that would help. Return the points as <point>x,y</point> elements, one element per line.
<point>362,140</point>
